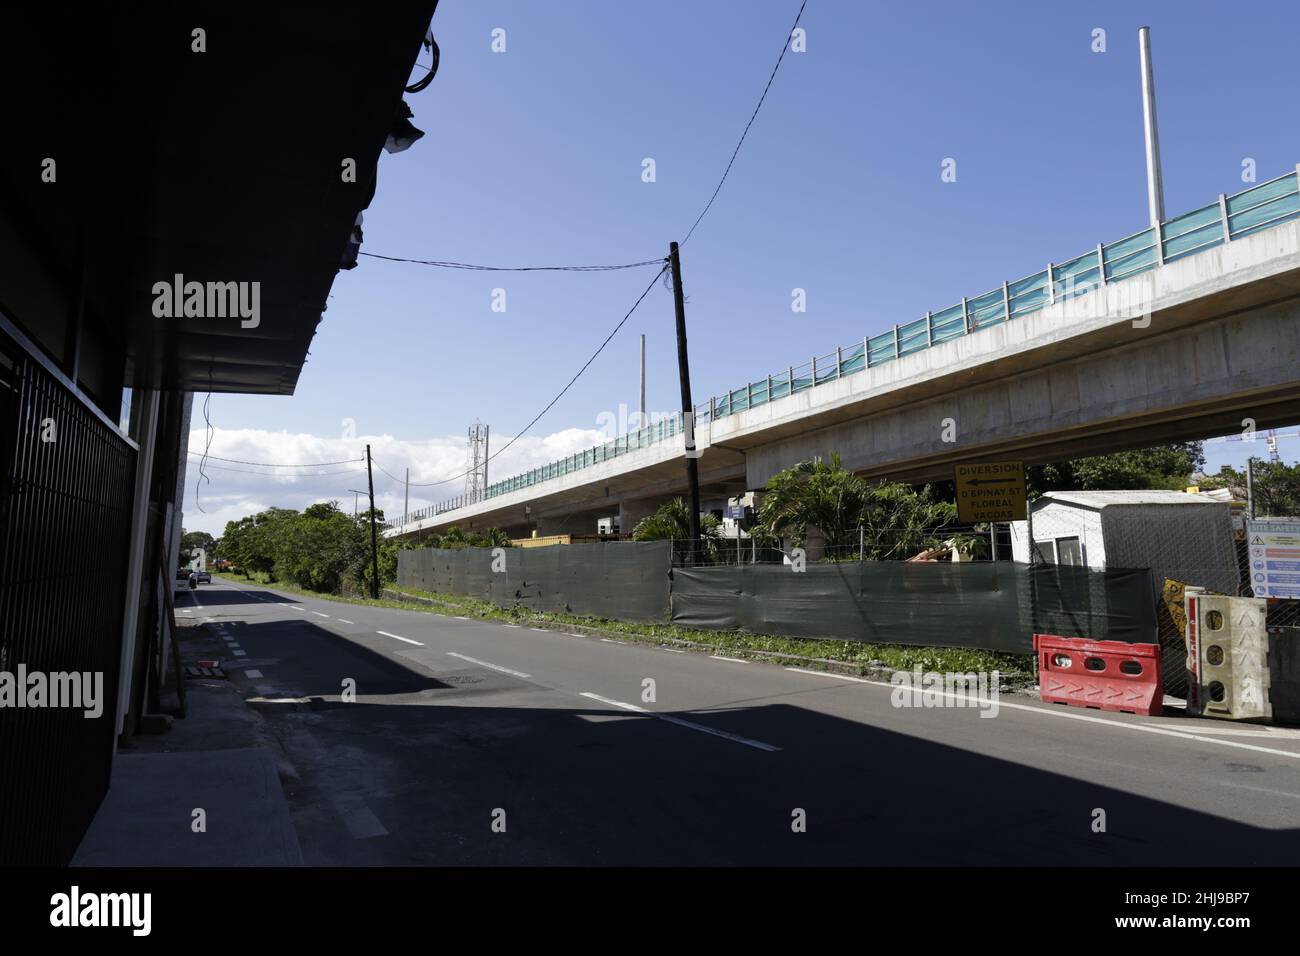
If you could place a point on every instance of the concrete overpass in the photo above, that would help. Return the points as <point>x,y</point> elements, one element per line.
<point>1136,342</point>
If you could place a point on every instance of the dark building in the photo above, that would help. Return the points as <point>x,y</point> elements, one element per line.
<point>175,202</point>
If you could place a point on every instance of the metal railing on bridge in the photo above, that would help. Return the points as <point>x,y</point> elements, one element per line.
<point>1232,217</point>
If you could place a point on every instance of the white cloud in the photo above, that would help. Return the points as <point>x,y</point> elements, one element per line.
<point>234,489</point>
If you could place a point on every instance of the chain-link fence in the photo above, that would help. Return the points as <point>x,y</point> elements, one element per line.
<point>1281,613</point>
<point>952,542</point>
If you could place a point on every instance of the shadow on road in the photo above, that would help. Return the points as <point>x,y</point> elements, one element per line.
<point>430,755</point>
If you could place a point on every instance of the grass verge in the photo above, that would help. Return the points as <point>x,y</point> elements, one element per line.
<point>839,655</point>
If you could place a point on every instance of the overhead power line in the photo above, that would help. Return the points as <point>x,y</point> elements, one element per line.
<point>551,403</point>
<point>735,152</point>
<point>294,475</point>
<point>267,464</point>
<point>480,268</point>
<point>447,264</point>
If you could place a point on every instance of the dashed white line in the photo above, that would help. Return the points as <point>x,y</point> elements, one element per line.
<point>495,667</point>
<point>542,629</point>
<point>459,618</point>
<point>736,738</point>
<point>673,650</point>
<point>319,614</point>
<point>253,675</point>
<point>344,620</point>
<point>732,660</point>
<point>239,653</point>
<point>398,637</point>
<point>610,640</point>
<point>509,625</point>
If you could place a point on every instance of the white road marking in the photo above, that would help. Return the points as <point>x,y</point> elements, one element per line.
<point>856,680</point>
<point>397,637</point>
<point>733,660</point>
<point>542,629</point>
<point>495,667</point>
<point>1277,733</point>
<point>344,621</point>
<point>253,675</point>
<point>459,618</point>
<point>509,625</point>
<point>748,742</point>
<point>610,640</point>
<point>571,634</point>
<point>319,614</point>
<point>360,819</point>
<point>673,650</point>
<point>1067,712</point>
<point>295,608</point>
<point>281,700</point>
<point>239,653</point>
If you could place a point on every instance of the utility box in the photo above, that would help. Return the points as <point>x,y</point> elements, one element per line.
<point>607,525</point>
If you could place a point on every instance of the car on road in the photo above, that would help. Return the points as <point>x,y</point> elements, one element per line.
<point>205,577</point>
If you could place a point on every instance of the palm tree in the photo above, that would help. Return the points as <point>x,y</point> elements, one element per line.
<point>672,522</point>
<point>827,497</point>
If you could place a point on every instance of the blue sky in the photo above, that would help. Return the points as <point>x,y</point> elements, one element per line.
<point>534,156</point>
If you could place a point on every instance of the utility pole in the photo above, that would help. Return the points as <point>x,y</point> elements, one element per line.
<point>688,409</point>
<point>374,537</point>
<point>406,500</point>
<point>643,421</point>
<point>1155,180</point>
<point>1250,487</point>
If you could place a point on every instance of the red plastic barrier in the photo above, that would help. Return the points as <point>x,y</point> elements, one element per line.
<point>1106,675</point>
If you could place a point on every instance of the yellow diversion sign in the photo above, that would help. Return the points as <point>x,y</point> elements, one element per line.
<point>991,491</point>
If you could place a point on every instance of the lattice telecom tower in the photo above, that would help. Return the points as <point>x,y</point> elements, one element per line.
<point>476,471</point>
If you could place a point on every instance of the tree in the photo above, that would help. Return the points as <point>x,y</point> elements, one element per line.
<point>1167,467</point>
<point>1277,487</point>
<point>672,521</point>
<point>196,539</point>
<point>320,547</point>
<point>897,520</point>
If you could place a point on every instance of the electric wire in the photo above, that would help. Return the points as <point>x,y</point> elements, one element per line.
<point>268,464</point>
<point>734,153</point>
<point>551,403</point>
<point>481,268</point>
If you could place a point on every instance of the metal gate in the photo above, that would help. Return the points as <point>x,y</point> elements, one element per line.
<point>66,488</point>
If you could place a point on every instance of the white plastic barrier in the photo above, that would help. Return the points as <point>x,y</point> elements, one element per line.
<point>1227,657</point>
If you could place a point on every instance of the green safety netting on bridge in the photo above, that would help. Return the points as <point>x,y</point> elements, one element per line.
<point>1230,217</point>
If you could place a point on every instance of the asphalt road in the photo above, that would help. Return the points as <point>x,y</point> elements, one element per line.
<point>473,742</point>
